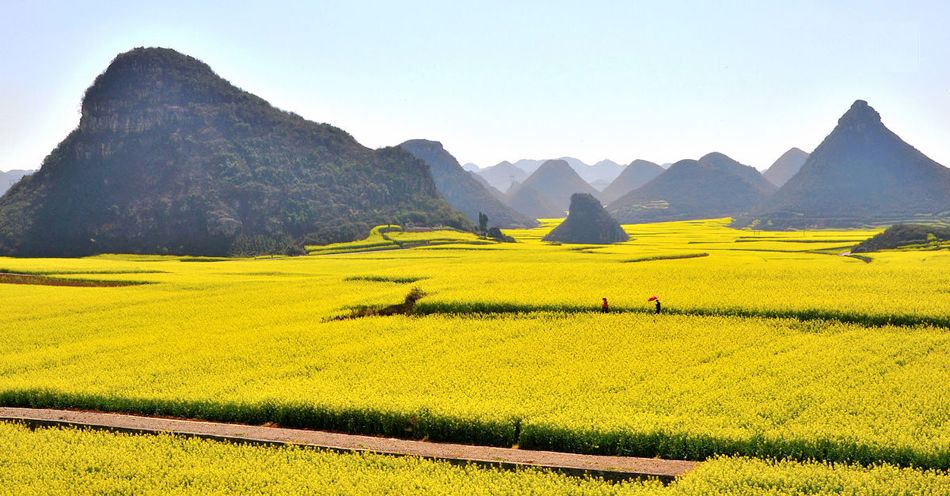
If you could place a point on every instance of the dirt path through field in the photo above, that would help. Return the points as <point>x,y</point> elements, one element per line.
<point>613,467</point>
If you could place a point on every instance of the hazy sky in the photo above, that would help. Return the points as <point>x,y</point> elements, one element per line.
<point>660,80</point>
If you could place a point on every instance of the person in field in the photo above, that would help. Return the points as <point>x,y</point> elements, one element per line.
<point>604,307</point>
<point>655,299</point>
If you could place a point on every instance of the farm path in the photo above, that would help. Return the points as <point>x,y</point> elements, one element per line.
<point>611,467</point>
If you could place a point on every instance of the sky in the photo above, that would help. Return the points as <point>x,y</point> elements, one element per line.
<point>493,81</point>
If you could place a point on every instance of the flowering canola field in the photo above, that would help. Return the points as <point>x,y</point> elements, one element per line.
<point>774,345</point>
<point>74,462</point>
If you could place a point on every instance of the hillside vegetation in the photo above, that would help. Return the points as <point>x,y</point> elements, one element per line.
<point>170,158</point>
<point>907,235</point>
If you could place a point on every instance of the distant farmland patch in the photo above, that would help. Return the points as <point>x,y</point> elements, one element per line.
<point>7,278</point>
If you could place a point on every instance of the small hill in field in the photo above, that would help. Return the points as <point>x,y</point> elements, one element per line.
<point>786,166</point>
<point>713,186</point>
<point>171,158</point>
<point>861,174</point>
<point>460,189</point>
<point>587,223</point>
<point>547,192</point>
<point>638,173</point>
<point>903,235</point>
<point>502,175</point>
<point>9,178</point>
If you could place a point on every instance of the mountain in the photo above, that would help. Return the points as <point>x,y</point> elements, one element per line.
<point>638,173</point>
<point>528,165</point>
<point>171,158</point>
<point>501,175</point>
<point>533,202</point>
<point>600,184</point>
<point>786,166</point>
<point>605,170</point>
<point>9,178</point>
<point>491,189</point>
<point>713,186</point>
<point>587,223</point>
<point>460,189</point>
<point>547,192</point>
<point>749,174</point>
<point>470,167</point>
<point>862,173</point>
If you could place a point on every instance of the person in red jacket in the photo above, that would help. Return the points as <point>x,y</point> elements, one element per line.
<point>604,307</point>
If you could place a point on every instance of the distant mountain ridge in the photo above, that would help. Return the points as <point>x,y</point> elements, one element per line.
<point>547,192</point>
<point>635,175</point>
<point>713,186</point>
<point>862,173</point>
<point>786,166</point>
<point>461,190</point>
<point>602,172</point>
<point>502,175</point>
<point>171,158</point>
<point>10,177</point>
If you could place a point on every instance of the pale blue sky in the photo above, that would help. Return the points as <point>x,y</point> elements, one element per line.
<point>507,80</point>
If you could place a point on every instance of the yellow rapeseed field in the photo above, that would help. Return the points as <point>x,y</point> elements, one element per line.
<point>773,344</point>
<point>56,461</point>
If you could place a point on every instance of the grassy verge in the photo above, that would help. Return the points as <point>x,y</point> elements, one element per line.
<point>864,319</point>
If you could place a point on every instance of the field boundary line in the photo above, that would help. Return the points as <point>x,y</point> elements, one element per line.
<point>804,315</point>
<point>609,467</point>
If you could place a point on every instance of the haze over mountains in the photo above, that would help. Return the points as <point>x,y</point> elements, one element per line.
<point>547,192</point>
<point>786,166</point>
<point>501,175</point>
<point>9,178</point>
<point>169,157</point>
<point>635,175</point>
<point>713,186</point>
<point>461,189</point>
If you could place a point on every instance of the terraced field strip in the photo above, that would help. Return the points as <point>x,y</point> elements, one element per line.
<point>611,467</point>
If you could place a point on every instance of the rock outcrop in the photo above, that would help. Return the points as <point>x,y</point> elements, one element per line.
<point>587,223</point>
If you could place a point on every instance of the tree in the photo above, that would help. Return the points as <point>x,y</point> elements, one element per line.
<point>482,222</point>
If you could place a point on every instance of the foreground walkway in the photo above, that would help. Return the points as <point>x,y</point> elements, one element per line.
<point>613,467</point>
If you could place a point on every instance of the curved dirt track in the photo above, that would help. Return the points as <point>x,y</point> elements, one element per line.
<point>612,467</point>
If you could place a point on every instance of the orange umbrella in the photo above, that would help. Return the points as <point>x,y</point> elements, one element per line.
<point>653,298</point>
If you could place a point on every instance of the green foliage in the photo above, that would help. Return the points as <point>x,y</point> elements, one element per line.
<point>171,159</point>
<point>906,235</point>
